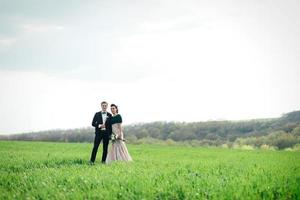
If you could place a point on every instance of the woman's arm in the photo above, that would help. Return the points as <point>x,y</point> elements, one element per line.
<point>120,131</point>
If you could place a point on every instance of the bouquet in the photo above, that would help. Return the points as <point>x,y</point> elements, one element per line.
<point>114,137</point>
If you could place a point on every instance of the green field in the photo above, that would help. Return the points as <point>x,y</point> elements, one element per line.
<point>40,170</point>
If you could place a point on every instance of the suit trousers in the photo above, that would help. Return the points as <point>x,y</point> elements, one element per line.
<point>104,136</point>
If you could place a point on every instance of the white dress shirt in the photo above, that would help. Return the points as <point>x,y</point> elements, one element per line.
<point>104,116</point>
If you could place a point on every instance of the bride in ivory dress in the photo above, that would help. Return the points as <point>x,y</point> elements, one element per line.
<point>118,150</point>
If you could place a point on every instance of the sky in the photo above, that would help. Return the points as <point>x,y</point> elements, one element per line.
<point>158,60</point>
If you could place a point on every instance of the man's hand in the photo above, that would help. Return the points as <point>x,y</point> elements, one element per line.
<point>101,126</point>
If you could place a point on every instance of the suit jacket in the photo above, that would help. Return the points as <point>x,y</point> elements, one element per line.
<point>98,120</point>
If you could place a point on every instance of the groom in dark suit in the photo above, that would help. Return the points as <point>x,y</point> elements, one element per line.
<point>102,131</point>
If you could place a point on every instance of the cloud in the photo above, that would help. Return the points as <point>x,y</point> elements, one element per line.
<point>179,23</point>
<point>8,41</point>
<point>42,28</point>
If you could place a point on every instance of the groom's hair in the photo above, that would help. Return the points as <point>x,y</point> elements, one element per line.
<point>103,102</point>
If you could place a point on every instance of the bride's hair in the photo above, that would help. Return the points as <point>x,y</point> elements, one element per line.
<point>114,105</point>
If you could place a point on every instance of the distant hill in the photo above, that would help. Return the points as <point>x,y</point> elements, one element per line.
<point>280,132</point>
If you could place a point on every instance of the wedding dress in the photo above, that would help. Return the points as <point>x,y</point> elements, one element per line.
<point>118,150</point>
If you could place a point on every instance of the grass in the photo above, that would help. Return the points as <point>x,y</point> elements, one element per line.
<point>42,170</point>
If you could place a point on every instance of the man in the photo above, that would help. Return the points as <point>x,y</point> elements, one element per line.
<point>102,132</point>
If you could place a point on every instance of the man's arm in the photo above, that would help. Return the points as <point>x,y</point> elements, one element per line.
<point>94,122</point>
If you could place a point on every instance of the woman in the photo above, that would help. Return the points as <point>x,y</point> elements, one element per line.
<point>118,151</point>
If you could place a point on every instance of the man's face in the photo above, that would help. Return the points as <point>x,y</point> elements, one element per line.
<point>104,107</point>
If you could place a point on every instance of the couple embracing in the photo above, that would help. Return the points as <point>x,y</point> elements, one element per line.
<point>109,126</point>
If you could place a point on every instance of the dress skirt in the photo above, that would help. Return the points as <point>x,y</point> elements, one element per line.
<point>118,152</point>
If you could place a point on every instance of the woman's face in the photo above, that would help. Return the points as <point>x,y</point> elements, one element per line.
<point>113,110</point>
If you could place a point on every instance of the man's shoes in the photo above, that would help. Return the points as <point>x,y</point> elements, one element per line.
<point>91,163</point>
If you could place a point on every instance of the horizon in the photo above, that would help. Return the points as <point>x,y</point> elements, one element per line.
<point>157,60</point>
<point>164,121</point>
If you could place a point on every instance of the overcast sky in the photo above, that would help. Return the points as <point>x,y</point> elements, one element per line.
<point>157,59</point>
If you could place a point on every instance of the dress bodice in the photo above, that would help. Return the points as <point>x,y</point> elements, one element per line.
<point>115,121</point>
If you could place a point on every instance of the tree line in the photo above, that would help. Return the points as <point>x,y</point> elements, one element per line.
<point>277,133</point>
